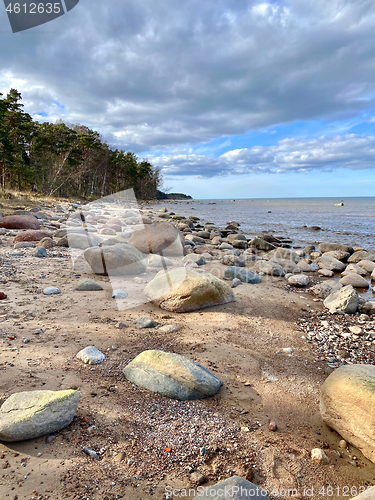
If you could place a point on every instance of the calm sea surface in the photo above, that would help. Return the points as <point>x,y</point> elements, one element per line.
<point>352,224</point>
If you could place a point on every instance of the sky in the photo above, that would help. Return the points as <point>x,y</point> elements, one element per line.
<point>230,98</point>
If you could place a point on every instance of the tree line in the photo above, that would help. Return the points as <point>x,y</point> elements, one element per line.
<point>66,160</point>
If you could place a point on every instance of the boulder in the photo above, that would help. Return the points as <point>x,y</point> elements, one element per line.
<point>261,244</point>
<point>91,355</point>
<point>368,307</point>
<point>81,241</point>
<point>239,244</point>
<point>326,272</point>
<point>233,260</point>
<point>232,272</point>
<point>119,293</point>
<point>337,254</point>
<point>236,237</point>
<point>193,257</point>
<point>51,290</point>
<point>171,375</point>
<point>358,256</point>
<point>299,280</point>
<point>331,247</point>
<point>269,267</point>
<point>19,222</point>
<point>46,243</point>
<point>305,267</point>
<point>355,280</point>
<point>289,266</point>
<point>117,260</point>
<point>29,415</point>
<point>159,237</point>
<point>326,288</point>
<point>330,263</point>
<point>367,265</point>
<point>345,300</point>
<point>353,268</point>
<point>287,254</point>
<point>32,235</point>
<point>184,290</point>
<point>346,405</point>
<point>40,252</point>
<point>233,488</point>
<point>88,285</point>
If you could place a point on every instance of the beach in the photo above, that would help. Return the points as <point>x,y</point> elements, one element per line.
<point>267,347</point>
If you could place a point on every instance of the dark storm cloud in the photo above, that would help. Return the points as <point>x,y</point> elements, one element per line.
<point>153,75</point>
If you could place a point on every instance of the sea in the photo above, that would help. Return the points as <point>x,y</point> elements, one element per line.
<point>350,221</point>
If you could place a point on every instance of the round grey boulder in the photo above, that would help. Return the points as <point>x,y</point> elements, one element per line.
<point>88,285</point>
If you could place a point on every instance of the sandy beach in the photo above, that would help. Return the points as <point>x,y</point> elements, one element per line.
<point>149,445</point>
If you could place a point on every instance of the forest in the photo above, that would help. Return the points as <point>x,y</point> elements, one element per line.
<point>65,160</point>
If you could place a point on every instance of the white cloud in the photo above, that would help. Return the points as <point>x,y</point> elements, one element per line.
<point>289,155</point>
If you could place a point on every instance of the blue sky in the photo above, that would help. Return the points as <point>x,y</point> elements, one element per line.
<point>230,98</point>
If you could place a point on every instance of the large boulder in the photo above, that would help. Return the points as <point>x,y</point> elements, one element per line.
<point>159,237</point>
<point>347,402</point>
<point>355,280</point>
<point>269,267</point>
<point>31,235</point>
<point>331,247</point>
<point>361,255</point>
<point>19,222</point>
<point>184,290</point>
<point>233,488</point>
<point>29,415</point>
<point>345,300</point>
<point>330,263</point>
<point>232,272</point>
<point>171,375</point>
<point>117,260</point>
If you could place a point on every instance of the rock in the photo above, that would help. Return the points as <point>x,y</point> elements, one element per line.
<point>24,244</point>
<point>155,260</point>
<point>225,246</point>
<point>31,235</point>
<point>232,260</point>
<point>46,243</point>
<point>318,456</point>
<point>367,265</point>
<point>337,254</point>
<point>373,275</point>
<point>331,247</point>
<point>357,330</point>
<point>143,322</point>
<point>236,237</point>
<point>88,285</point>
<point>353,268</point>
<point>239,244</point>
<point>184,290</point>
<point>233,488</point>
<point>235,283</point>
<point>171,375</point>
<point>160,238</point>
<point>300,280</point>
<point>3,296</point>
<point>117,260</point>
<point>51,290</point>
<point>169,329</point>
<point>345,300</point>
<point>40,252</point>
<point>272,426</point>
<point>119,293</point>
<point>19,222</point>
<point>29,415</point>
<point>244,275</point>
<point>323,290</point>
<point>358,256</point>
<point>198,478</point>
<point>81,241</point>
<point>289,266</point>
<point>330,263</point>
<point>91,355</point>
<point>204,234</point>
<point>261,244</point>
<point>326,272</point>
<point>346,402</point>
<point>286,253</point>
<point>269,267</point>
<point>368,307</point>
<point>305,267</point>
<point>193,257</point>
<point>354,280</point>
<point>343,444</point>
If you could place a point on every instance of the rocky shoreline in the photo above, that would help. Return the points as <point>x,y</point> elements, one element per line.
<point>222,285</point>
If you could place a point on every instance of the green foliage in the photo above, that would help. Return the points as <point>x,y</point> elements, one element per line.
<point>67,160</point>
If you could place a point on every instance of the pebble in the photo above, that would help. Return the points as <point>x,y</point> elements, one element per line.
<point>40,252</point>
<point>285,350</point>
<point>318,456</point>
<point>91,355</point>
<point>51,290</point>
<point>119,293</point>
<point>272,426</point>
<point>357,330</point>
<point>343,444</point>
<point>91,453</point>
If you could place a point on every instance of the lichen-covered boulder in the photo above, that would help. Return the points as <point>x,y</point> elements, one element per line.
<point>28,415</point>
<point>171,375</point>
<point>347,405</point>
<point>184,290</point>
<point>116,260</point>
